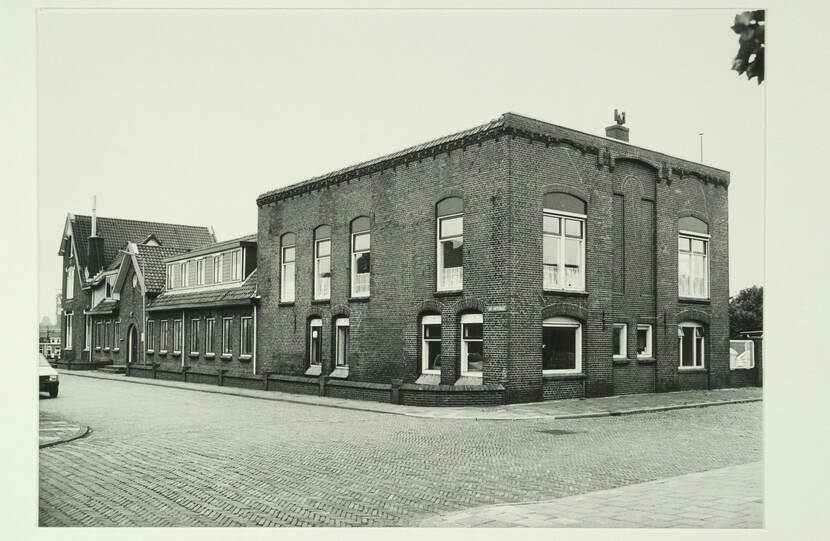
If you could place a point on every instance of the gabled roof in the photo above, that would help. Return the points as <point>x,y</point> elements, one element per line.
<point>151,261</point>
<point>508,124</point>
<point>222,296</point>
<point>117,232</point>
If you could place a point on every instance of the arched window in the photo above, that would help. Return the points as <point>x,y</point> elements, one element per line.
<point>692,258</point>
<point>472,344</point>
<point>341,342</point>
<point>322,262</point>
<point>315,341</point>
<point>563,242</point>
<point>431,344</point>
<point>561,345</point>
<point>450,216</point>
<point>288,254</point>
<point>692,343</point>
<point>360,242</point>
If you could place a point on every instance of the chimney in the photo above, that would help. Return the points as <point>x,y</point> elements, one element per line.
<point>617,130</point>
<point>95,246</point>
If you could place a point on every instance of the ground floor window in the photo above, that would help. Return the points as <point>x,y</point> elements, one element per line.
<point>209,330</point>
<point>341,357</point>
<point>247,336</point>
<point>620,340</point>
<point>561,345</point>
<point>163,337</point>
<point>150,338</point>
<point>692,345</point>
<point>67,322</point>
<point>227,324</point>
<point>431,344</point>
<point>177,336</point>
<point>107,336</point>
<point>315,340</point>
<point>472,344</point>
<point>644,339</point>
<point>194,335</point>
<point>88,332</point>
<point>98,335</point>
<point>116,334</point>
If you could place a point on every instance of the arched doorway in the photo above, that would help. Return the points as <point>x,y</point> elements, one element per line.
<point>132,345</point>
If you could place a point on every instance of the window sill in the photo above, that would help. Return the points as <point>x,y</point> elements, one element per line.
<point>151,351</point>
<point>106,349</point>
<point>285,303</point>
<point>693,300</point>
<point>341,372</point>
<point>321,301</point>
<point>565,293</point>
<point>163,353</point>
<point>359,299</point>
<point>244,357</point>
<point>691,369</point>
<point>227,356</point>
<point>549,376</point>
<point>194,354</point>
<point>314,370</point>
<point>469,379</point>
<point>210,355</point>
<point>646,360</point>
<point>621,361</point>
<point>429,379</point>
<point>448,292</point>
<point>85,350</point>
<point>177,354</point>
<point>116,350</point>
<point>97,348</point>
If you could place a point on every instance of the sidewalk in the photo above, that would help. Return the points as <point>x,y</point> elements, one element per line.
<point>730,497</point>
<point>54,430</point>
<point>554,409</point>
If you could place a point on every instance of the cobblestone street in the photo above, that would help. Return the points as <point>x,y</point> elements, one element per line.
<point>167,457</point>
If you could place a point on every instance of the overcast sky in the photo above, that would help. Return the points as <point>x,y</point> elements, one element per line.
<point>186,116</point>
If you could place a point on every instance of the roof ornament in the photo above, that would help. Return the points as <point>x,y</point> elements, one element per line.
<point>619,118</point>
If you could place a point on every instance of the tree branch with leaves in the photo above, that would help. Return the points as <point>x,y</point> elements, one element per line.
<point>749,26</point>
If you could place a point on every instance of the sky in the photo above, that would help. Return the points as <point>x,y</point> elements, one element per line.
<point>186,116</point>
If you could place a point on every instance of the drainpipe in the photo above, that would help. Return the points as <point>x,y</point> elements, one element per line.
<point>182,344</point>
<point>254,351</point>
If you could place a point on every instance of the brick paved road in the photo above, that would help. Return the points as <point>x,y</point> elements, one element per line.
<point>165,457</point>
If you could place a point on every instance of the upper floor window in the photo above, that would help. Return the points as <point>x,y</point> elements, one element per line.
<point>361,240</point>
<point>563,242</point>
<point>110,281</point>
<point>561,345</point>
<point>692,344</point>
<point>182,275</point>
<point>472,344</point>
<point>236,265</point>
<point>70,282</point>
<point>322,262</point>
<point>169,276</point>
<point>218,262</point>
<point>200,272</point>
<point>693,258</point>
<point>450,215</point>
<point>288,268</point>
<point>431,344</point>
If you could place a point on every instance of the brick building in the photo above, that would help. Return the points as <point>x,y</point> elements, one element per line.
<point>515,261</point>
<point>106,262</point>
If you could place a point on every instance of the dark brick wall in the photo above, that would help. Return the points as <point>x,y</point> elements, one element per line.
<point>451,397</point>
<point>555,389</point>
<point>129,313</point>
<point>77,304</point>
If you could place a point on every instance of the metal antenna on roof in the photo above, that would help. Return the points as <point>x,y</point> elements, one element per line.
<point>93,216</point>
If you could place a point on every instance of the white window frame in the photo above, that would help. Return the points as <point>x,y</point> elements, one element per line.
<point>440,285</point>
<point>67,322</point>
<point>227,339</point>
<point>170,276</point>
<point>107,336</point>
<point>287,290</point>
<point>177,336</point>
<point>218,263</point>
<point>649,351</point>
<point>163,335</point>
<point>182,275</point>
<point>562,216</point>
<point>200,271</point>
<point>149,341</point>
<point>341,345</point>
<point>355,254</point>
<point>623,340</point>
<point>569,323</point>
<point>87,333</point>
<point>692,236</point>
<point>70,282</point>
<point>236,265</point>
<point>194,334</point>
<point>243,348</point>
<point>321,292</point>
<point>210,331</point>
<point>465,320</point>
<point>697,328</point>
<point>428,320</point>
<point>116,332</point>
<point>315,323</point>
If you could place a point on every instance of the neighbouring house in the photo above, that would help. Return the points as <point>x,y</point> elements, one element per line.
<point>104,294</point>
<point>49,339</point>
<point>515,261</point>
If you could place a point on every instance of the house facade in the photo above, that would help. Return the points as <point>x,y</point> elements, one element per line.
<point>516,261</point>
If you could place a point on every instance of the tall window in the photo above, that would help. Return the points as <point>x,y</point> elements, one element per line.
<point>315,341</point>
<point>99,335</point>
<point>341,357</point>
<point>87,332</point>
<point>163,338</point>
<point>693,258</point>
<point>200,272</point>
<point>563,239</point>
<point>692,344</point>
<point>361,240</point>
<point>644,340</point>
<point>209,330</point>
<point>182,275</point>
<point>109,287</point>
<point>194,335</point>
<point>227,344</point>
<point>620,340</point>
<point>67,325</point>
<point>450,227</point>
<point>169,276</point>
<point>70,282</point>
<point>236,265</point>
<point>177,335</point>
<point>116,334</point>
<point>561,345</point>
<point>431,344</point>
<point>289,254</point>
<point>151,337</point>
<point>472,344</point>
<point>247,336</point>
<point>322,262</point>
<point>107,336</point>
<point>218,261</point>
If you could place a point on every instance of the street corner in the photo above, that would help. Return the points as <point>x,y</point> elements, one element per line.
<point>53,430</point>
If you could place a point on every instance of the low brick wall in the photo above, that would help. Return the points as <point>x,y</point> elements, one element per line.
<point>242,382</point>
<point>294,384</point>
<point>376,392</point>
<point>451,395</point>
<point>79,365</point>
<point>561,388</point>
<point>202,377</point>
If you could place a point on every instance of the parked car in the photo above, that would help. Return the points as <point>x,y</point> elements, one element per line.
<point>48,376</point>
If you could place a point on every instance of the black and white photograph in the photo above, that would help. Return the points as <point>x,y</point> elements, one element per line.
<point>352,266</point>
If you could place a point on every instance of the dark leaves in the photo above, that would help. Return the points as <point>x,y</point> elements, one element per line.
<point>749,26</point>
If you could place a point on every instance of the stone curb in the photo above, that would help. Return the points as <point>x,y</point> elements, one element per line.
<point>390,409</point>
<point>82,432</point>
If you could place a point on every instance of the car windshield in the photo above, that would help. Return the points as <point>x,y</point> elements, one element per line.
<point>42,361</point>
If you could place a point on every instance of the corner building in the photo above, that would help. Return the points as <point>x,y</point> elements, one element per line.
<point>516,261</point>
